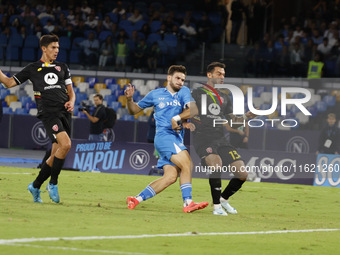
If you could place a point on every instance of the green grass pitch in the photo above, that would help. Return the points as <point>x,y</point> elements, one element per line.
<point>93,206</point>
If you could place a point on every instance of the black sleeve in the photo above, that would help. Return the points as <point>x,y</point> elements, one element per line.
<point>23,75</point>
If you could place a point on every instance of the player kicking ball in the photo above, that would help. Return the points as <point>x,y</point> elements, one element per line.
<point>173,106</point>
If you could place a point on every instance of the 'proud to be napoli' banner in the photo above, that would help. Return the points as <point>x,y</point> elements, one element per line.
<point>110,157</point>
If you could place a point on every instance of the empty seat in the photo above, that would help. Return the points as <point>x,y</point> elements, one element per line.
<point>105,92</point>
<point>152,84</point>
<point>99,86</point>
<point>20,111</point>
<point>123,82</point>
<point>109,81</point>
<point>122,99</point>
<point>11,98</point>
<point>138,83</point>
<point>83,86</point>
<point>33,111</point>
<point>15,105</point>
<point>77,79</point>
<point>92,81</point>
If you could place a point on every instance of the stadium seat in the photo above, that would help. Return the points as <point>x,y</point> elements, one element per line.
<point>12,53</point>
<point>136,95</point>
<point>77,79</point>
<point>171,40</point>
<point>7,110</point>
<point>138,25</point>
<point>122,99</point>
<point>109,81</point>
<point>329,100</point>
<point>138,83</point>
<point>116,105</point>
<point>105,92</point>
<point>152,84</point>
<point>80,97</point>
<point>121,112</point>
<point>29,54</point>
<point>29,105</point>
<point>123,82</point>
<point>321,106</point>
<point>33,111</point>
<point>15,40</point>
<point>128,117</point>
<point>153,37</point>
<point>110,98</point>
<point>336,93</point>
<point>65,43</point>
<point>118,92</point>
<point>99,86</point>
<point>91,91</point>
<point>113,87</point>
<point>15,105</point>
<point>104,34</point>
<point>62,56</point>
<point>143,118</point>
<point>83,86</point>
<point>25,99</point>
<point>11,98</point>
<point>31,41</point>
<point>4,93</point>
<point>141,113</point>
<point>74,56</point>
<point>20,111</point>
<point>155,26</point>
<point>92,81</point>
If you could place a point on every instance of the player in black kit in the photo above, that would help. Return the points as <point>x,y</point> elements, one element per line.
<point>210,142</point>
<point>55,99</point>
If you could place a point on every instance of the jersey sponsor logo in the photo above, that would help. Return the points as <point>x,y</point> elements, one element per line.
<point>55,128</point>
<point>161,105</point>
<point>139,159</point>
<point>58,68</point>
<point>51,78</point>
<point>161,98</point>
<point>214,109</point>
<point>174,103</point>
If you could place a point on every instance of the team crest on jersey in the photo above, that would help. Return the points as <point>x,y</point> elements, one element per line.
<point>161,105</point>
<point>58,68</point>
<point>209,150</point>
<point>55,128</point>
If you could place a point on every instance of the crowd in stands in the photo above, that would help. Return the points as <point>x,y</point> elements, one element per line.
<point>299,39</point>
<point>142,34</point>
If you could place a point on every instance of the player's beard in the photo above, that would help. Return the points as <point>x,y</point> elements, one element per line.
<point>172,85</point>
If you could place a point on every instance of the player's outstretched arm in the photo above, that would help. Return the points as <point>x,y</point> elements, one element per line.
<point>7,82</point>
<point>69,105</point>
<point>133,108</point>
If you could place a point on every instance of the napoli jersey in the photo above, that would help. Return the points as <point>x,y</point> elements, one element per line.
<point>167,105</point>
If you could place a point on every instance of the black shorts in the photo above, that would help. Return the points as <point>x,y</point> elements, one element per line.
<point>55,123</point>
<point>205,147</point>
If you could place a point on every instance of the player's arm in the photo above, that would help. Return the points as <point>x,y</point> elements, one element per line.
<point>93,119</point>
<point>69,105</point>
<point>190,111</point>
<point>133,108</point>
<point>7,82</point>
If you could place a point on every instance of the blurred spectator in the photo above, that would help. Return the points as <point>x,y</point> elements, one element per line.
<point>315,71</point>
<point>269,56</point>
<point>28,15</point>
<point>329,139</point>
<point>204,28</point>
<point>139,60</point>
<point>325,48</point>
<point>23,32</point>
<point>85,9</point>
<point>89,53</point>
<point>49,27</point>
<point>146,30</point>
<point>106,52</point>
<point>136,16</point>
<point>119,8</point>
<point>47,13</point>
<point>296,61</point>
<point>70,17</point>
<point>153,56</point>
<point>317,38</point>
<point>4,23</point>
<point>237,10</point>
<point>91,21</point>
<point>309,51</point>
<point>190,34</point>
<point>107,23</point>
<point>121,53</point>
<point>122,34</point>
<point>283,62</point>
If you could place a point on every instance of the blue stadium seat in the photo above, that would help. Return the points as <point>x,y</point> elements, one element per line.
<point>114,87</point>
<point>76,90</point>
<point>155,26</point>
<point>44,20</point>
<point>29,106</point>
<point>104,34</point>
<point>7,110</point>
<point>31,41</point>
<point>113,17</point>
<point>74,56</point>
<point>124,23</point>
<point>153,37</point>
<point>76,41</point>
<point>21,111</point>
<point>12,53</point>
<point>64,43</point>
<point>62,56</point>
<point>29,54</point>
<point>110,98</point>
<point>139,24</point>
<point>80,97</point>
<point>128,117</point>
<point>116,105</point>
<point>109,81</point>
<point>329,100</point>
<point>4,93</point>
<point>25,99</point>
<point>321,106</point>
<point>91,81</point>
<point>170,40</point>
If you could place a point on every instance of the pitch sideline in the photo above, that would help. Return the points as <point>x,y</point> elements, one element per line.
<point>78,238</point>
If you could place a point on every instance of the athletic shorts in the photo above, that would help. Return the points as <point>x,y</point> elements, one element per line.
<point>55,123</point>
<point>205,147</point>
<point>167,145</point>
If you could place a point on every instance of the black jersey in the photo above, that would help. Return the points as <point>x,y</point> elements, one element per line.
<point>214,110</point>
<point>49,85</point>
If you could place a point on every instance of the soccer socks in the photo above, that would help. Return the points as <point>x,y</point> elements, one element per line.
<point>56,168</point>
<point>234,185</point>
<point>43,175</point>
<point>215,188</point>
<point>186,190</point>
<point>147,193</point>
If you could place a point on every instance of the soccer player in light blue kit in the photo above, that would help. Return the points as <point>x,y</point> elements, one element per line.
<point>173,106</point>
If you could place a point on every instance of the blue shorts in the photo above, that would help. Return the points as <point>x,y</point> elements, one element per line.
<point>167,145</point>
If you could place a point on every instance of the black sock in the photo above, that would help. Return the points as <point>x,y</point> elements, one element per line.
<point>234,185</point>
<point>56,168</point>
<point>43,175</point>
<point>215,188</point>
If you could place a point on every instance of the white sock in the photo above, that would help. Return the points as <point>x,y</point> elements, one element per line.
<point>223,200</point>
<point>187,202</point>
<point>217,206</point>
<point>139,198</point>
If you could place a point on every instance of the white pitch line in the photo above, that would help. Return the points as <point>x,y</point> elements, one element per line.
<point>78,238</point>
<point>14,173</point>
<point>77,249</point>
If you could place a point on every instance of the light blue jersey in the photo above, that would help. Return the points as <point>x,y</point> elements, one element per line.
<point>167,105</point>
